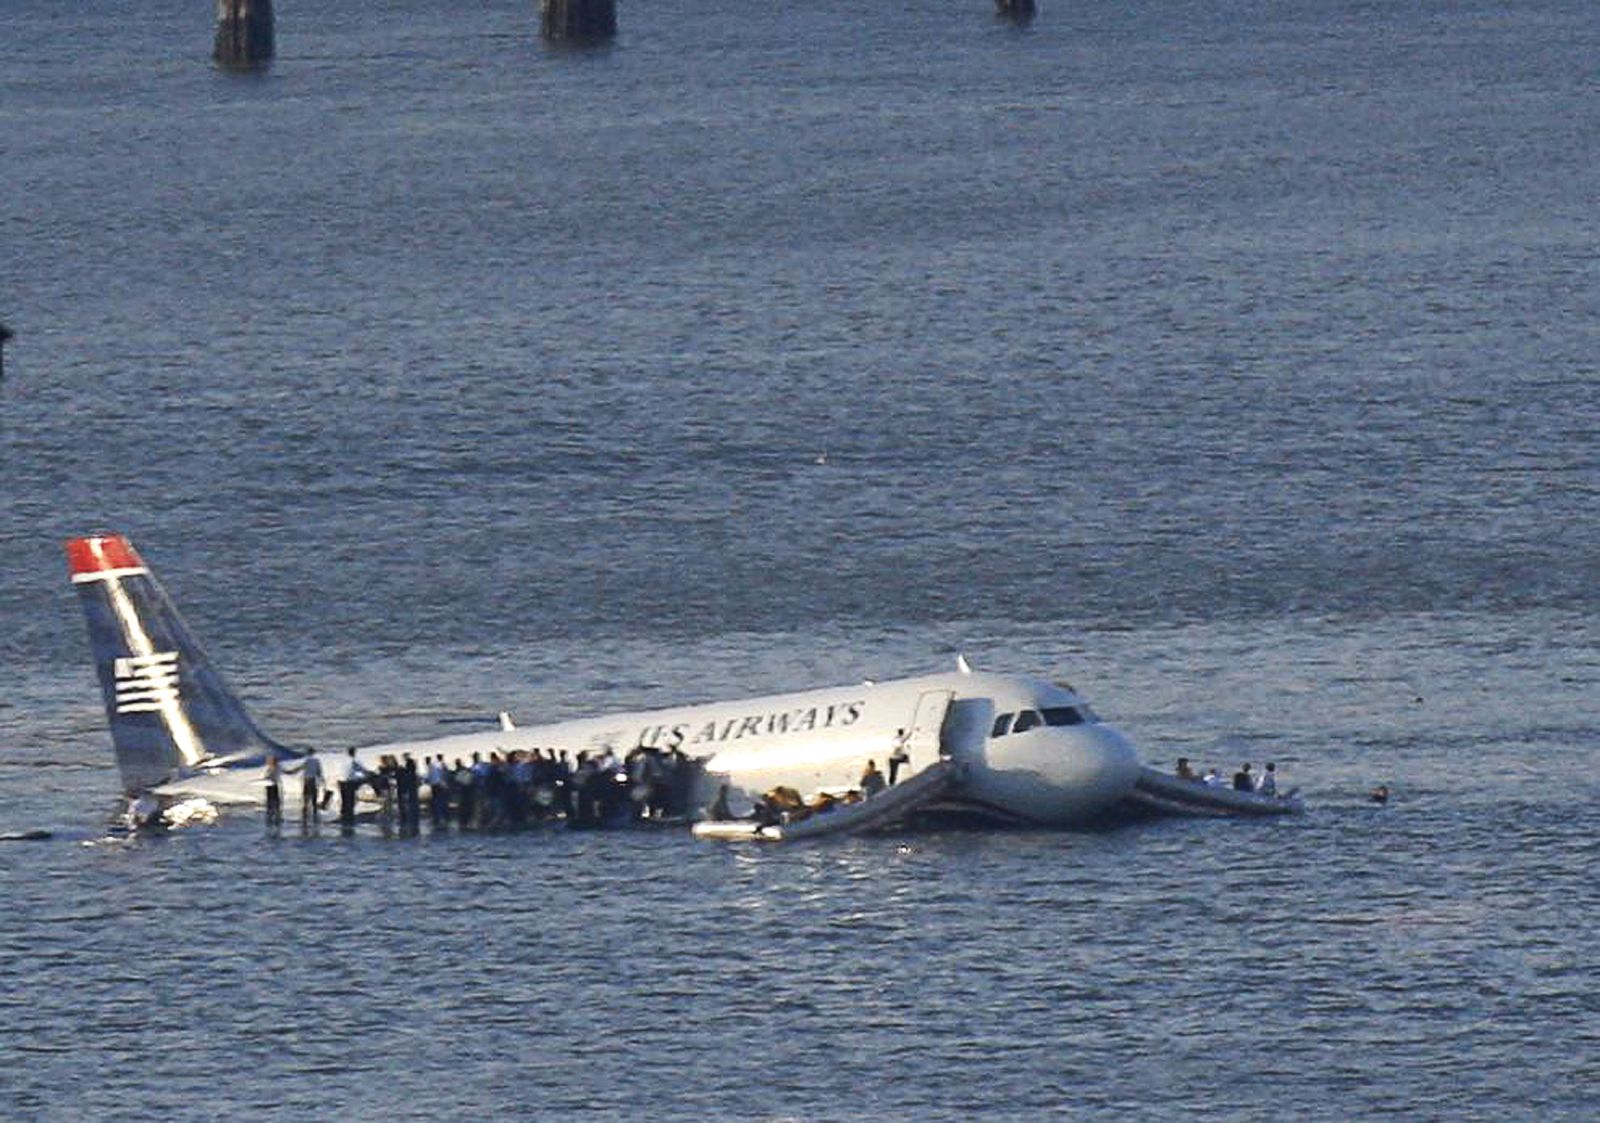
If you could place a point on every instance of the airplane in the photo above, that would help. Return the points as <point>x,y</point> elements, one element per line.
<point>1015,750</point>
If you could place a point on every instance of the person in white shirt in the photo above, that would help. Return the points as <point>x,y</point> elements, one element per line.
<point>354,776</point>
<point>310,769</point>
<point>1267,783</point>
<point>898,759</point>
<point>438,790</point>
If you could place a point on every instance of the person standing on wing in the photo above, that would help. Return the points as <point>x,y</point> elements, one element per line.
<point>349,784</point>
<point>310,769</point>
<point>274,793</point>
<point>438,791</point>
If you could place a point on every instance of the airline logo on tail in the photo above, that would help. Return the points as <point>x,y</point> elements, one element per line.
<point>146,683</point>
<point>106,557</point>
<point>168,709</point>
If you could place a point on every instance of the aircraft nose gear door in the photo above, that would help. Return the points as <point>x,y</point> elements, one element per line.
<point>924,742</point>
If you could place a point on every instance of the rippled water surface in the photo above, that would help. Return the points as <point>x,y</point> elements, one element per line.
<point>1237,361</point>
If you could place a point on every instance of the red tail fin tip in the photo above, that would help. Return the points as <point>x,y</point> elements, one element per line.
<point>101,553</point>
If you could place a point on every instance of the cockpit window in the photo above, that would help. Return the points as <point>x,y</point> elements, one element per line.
<point>1032,719</point>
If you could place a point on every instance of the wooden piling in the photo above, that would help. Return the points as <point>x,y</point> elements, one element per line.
<point>578,20</point>
<point>244,33</point>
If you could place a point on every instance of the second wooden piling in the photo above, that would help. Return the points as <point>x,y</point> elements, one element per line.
<point>578,20</point>
<point>244,33</point>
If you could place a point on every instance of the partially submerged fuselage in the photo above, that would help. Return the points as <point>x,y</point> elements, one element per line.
<point>1024,750</point>
<point>1028,752</point>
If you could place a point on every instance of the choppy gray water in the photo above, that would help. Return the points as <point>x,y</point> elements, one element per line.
<point>1236,360</point>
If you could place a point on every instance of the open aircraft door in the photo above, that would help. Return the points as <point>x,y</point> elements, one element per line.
<point>924,743</point>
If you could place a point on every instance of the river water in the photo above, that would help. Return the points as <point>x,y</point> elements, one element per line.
<point>1237,361</point>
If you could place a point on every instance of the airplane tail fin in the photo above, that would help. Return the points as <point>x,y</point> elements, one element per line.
<point>169,709</point>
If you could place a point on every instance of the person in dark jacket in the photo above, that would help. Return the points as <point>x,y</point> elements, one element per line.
<point>872,781</point>
<point>466,792</point>
<point>410,786</point>
<point>274,793</point>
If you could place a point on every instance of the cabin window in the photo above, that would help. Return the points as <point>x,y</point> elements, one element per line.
<point>1026,720</point>
<point>1002,725</point>
<point>1062,715</point>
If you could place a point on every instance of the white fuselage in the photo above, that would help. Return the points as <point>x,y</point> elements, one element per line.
<point>1065,770</point>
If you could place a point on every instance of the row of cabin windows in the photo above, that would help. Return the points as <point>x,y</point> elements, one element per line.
<point>1032,719</point>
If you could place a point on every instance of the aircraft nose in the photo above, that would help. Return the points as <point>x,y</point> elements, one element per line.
<point>1056,775</point>
<point>1116,760</point>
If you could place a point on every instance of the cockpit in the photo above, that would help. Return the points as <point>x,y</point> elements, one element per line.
<point>1024,720</point>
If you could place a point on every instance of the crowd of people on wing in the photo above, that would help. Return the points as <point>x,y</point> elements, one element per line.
<point>505,791</point>
<point>1266,783</point>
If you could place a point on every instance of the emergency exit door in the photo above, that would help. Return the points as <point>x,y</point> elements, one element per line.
<point>924,743</point>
